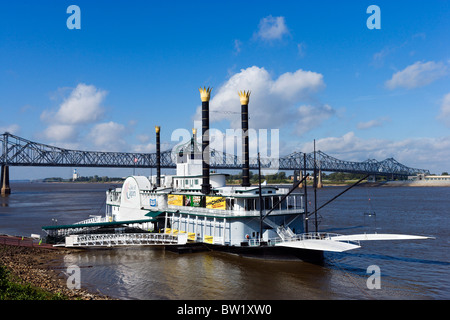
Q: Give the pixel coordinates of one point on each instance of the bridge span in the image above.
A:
(17, 151)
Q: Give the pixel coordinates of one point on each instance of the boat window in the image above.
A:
(267, 203)
(284, 204)
(289, 201)
(230, 204)
(250, 204)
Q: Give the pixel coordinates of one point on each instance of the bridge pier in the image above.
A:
(300, 176)
(319, 180)
(5, 188)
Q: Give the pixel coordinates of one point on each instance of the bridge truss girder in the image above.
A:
(17, 151)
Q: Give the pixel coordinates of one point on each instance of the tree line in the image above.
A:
(95, 178)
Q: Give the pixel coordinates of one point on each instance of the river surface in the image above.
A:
(418, 269)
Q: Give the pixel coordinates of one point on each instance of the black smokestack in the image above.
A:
(205, 95)
(158, 156)
(244, 97)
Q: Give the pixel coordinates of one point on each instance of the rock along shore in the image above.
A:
(41, 267)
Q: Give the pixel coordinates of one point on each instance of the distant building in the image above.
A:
(423, 177)
(425, 180)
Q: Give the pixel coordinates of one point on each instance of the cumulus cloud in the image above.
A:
(416, 75)
(309, 117)
(108, 136)
(272, 28)
(413, 152)
(237, 46)
(273, 102)
(12, 128)
(82, 106)
(301, 49)
(444, 115)
(61, 132)
(372, 123)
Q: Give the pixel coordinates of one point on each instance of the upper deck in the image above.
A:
(228, 201)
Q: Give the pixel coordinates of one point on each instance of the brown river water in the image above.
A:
(409, 270)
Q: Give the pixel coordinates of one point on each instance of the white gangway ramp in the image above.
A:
(377, 236)
(319, 242)
(339, 243)
(125, 239)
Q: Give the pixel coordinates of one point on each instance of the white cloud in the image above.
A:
(61, 132)
(445, 110)
(416, 75)
(108, 136)
(237, 46)
(82, 106)
(273, 103)
(145, 148)
(12, 128)
(310, 117)
(421, 153)
(272, 28)
(371, 123)
(301, 49)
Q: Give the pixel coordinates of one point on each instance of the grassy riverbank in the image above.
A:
(13, 288)
(31, 273)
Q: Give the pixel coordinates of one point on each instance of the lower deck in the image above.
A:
(231, 231)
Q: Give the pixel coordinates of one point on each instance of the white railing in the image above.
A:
(93, 220)
(231, 213)
(124, 239)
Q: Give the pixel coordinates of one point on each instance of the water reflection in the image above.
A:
(148, 273)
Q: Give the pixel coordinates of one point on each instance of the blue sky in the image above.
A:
(316, 71)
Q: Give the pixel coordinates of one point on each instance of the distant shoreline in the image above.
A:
(285, 184)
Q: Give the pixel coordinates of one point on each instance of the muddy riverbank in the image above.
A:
(41, 268)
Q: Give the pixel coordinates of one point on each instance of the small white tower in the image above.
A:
(75, 175)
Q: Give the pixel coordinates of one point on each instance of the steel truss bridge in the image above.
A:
(17, 151)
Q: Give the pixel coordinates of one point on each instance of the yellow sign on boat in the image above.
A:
(216, 203)
(175, 199)
(174, 231)
(191, 236)
(208, 239)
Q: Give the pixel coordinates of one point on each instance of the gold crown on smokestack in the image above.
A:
(157, 128)
(205, 93)
(244, 97)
